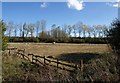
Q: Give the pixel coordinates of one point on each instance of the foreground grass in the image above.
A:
(99, 69)
(99, 63)
(18, 70)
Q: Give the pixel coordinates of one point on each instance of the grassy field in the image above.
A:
(72, 53)
(97, 68)
(48, 49)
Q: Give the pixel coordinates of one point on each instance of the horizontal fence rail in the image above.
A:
(45, 61)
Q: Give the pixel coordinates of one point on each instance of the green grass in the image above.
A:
(10, 68)
(18, 70)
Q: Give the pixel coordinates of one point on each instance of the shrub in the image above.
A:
(4, 39)
(114, 39)
(114, 36)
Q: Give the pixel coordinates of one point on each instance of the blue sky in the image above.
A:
(59, 12)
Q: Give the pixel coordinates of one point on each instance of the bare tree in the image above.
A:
(104, 30)
(15, 29)
(79, 26)
(69, 30)
(58, 32)
(53, 34)
(89, 30)
(65, 28)
(99, 30)
(30, 29)
(74, 30)
(20, 29)
(37, 28)
(93, 29)
(84, 28)
(10, 27)
(24, 30)
(43, 27)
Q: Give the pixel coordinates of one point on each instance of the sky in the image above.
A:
(60, 13)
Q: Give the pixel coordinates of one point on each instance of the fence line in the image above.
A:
(36, 59)
(32, 58)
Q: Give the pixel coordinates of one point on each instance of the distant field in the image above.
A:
(48, 49)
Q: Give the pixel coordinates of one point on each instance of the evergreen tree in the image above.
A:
(4, 40)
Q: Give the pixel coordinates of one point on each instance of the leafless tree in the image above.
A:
(69, 30)
(79, 26)
(84, 29)
(104, 30)
(20, 29)
(15, 29)
(37, 28)
(89, 30)
(24, 30)
(10, 27)
(99, 30)
(74, 30)
(94, 32)
(43, 27)
(30, 29)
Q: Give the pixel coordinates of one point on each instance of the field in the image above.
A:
(65, 52)
(98, 63)
(48, 49)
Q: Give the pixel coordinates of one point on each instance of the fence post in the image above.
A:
(76, 66)
(9, 52)
(23, 56)
(44, 60)
(36, 59)
(28, 57)
(81, 64)
(24, 51)
(32, 57)
(16, 51)
(57, 63)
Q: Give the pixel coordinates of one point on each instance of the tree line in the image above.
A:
(64, 33)
(110, 34)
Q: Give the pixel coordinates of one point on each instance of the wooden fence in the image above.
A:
(37, 59)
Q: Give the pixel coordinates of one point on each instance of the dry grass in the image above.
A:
(16, 70)
(48, 49)
(98, 68)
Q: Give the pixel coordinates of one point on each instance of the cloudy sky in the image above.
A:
(60, 13)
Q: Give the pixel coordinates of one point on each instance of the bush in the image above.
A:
(114, 39)
(114, 36)
(60, 40)
(4, 39)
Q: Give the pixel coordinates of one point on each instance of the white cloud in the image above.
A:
(115, 4)
(44, 5)
(75, 4)
(118, 0)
